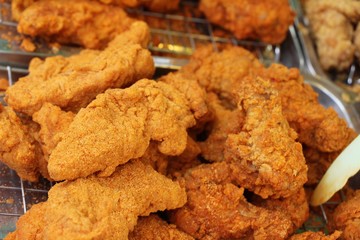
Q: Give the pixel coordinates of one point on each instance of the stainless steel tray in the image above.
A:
(171, 48)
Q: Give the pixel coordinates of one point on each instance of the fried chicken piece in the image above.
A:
(217, 209)
(315, 236)
(82, 22)
(270, 161)
(17, 146)
(155, 158)
(267, 21)
(226, 121)
(103, 208)
(220, 72)
(330, 23)
(148, 110)
(54, 123)
(346, 217)
(30, 226)
(178, 165)
(296, 207)
(317, 127)
(72, 86)
(18, 6)
(4, 84)
(153, 227)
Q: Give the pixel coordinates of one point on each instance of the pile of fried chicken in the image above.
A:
(224, 148)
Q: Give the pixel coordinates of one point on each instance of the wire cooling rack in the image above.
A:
(174, 37)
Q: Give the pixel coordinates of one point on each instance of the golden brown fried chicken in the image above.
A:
(82, 22)
(118, 126)
(265, 150)
(53, 124)
(267, 21)
(18, 6)
(331, 26)
(72, 85)
(30, 226)
(317, 127)
(225, 121)
(220, 72)
(217, 209)
(315, 236)
(295, 206)
(103, 208)
(17, 145)
(346, 217)
(153, 227)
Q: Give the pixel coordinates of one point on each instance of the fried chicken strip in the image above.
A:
(17, 146)
(217, 209)
(73, 85)
(18, 6)
(152, 5)
(153, 227)
(118, 126)
(267, 21)
(82, 22)
(103, 208)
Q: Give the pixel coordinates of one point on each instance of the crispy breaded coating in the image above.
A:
(30, 226)
(220, 72)
(74, 85)
(82, 22)
(226, 121)
(264, 20)
(315, 236)
(18, 6)
(102, 208)
(118, 126)
(265, 149)
(346, 217)
(53, 124)
(317, 127)
(217, 209)
(153, 227)
(295, 206)
(17, 146)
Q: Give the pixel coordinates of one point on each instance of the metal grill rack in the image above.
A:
(174, 38)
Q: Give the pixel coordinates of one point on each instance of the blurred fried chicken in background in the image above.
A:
(331, 25)
(77, 80)
(83, 22)
(18, 6)
(264, 20)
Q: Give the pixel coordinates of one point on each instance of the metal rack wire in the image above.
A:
(174, 38)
